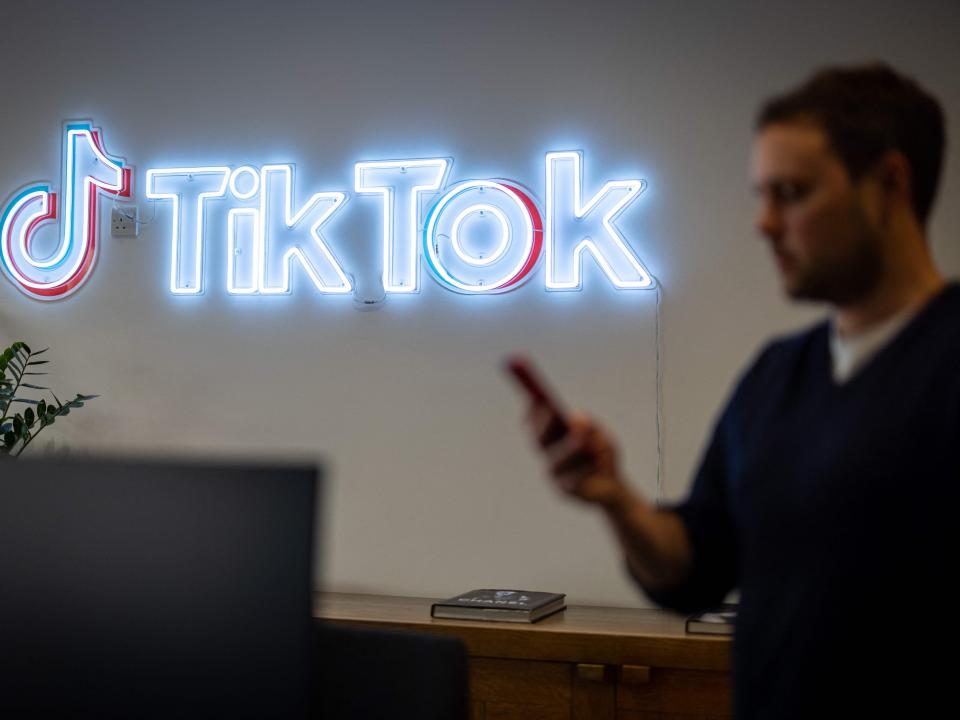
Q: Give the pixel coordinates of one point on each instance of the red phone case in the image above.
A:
(523, 372)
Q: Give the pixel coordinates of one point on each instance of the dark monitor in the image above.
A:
(154, 589)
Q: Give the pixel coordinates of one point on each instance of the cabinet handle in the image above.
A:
(635, 674)
(590, 673)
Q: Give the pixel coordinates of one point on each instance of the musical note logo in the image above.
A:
(44, 265)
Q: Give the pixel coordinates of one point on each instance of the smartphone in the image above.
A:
(530, 380)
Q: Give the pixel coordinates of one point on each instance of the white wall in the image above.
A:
(434, 488)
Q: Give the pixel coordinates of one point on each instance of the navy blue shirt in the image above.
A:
(833, 509)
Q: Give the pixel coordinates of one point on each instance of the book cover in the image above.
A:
(717, 621)
(502, 605)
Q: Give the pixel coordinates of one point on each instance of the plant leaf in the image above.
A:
(38, 362)
(33, 387)
(25, 401)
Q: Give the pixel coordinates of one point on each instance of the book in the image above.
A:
(717, 621)
(522, 606)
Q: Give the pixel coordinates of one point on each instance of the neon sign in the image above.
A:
(281, 236)
(473, 237)
(48, 271)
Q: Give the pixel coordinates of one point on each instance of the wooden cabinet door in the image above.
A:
(670, 694)
(531, 690)
(519, 689)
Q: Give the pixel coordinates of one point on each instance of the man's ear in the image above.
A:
(896, 175)
(893, 176)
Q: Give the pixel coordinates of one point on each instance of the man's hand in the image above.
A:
(583, 461)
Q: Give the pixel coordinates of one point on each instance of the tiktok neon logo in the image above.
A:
(473, 237)
(478, 236)
(48, 269)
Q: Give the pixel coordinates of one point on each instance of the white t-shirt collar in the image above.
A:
(849, 353)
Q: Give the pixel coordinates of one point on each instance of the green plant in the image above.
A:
(19, 430)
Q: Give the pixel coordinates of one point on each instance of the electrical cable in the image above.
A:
(659, 401)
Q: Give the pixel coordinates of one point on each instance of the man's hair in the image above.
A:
(866, 111)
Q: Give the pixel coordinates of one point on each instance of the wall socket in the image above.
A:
(124, 221)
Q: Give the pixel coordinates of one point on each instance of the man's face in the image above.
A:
(822, 226)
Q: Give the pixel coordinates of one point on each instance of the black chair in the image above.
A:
(362, 673)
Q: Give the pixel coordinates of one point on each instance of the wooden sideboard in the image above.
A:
(586, 662)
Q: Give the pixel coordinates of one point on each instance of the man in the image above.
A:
(828, 492)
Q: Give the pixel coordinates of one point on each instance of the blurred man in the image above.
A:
(827, 494)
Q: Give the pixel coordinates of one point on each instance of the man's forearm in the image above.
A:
(655, 541)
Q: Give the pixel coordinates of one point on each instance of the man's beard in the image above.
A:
(846, 278)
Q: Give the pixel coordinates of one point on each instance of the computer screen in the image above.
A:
(149, 589)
